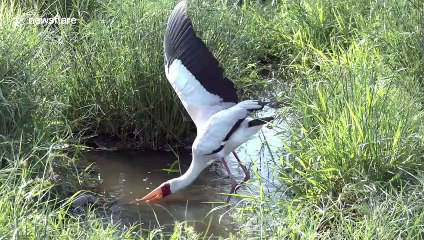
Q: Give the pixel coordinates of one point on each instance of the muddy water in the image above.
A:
(128, 175)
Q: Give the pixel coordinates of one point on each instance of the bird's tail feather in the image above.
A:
(259, 121)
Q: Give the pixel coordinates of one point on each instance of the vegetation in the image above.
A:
(353, 70)
(353, 160)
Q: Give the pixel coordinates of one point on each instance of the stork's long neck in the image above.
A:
(196, 167)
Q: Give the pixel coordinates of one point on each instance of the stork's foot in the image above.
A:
(246, 172)
(234, 188)
(246, 176)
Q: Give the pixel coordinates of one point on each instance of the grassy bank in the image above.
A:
(352, 69)
(354, 159)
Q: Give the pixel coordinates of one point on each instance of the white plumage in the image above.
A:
(199, 103)
(211, 135)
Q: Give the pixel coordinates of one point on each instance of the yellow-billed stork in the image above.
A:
(222, 122)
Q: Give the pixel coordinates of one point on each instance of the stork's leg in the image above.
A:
(232, 179)
(245, 170)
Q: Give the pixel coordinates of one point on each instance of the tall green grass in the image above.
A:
(59, 83)
(104, 76)
(358, 123)
(353, 162)
(358, 102)
(353, 71)
(362, 211)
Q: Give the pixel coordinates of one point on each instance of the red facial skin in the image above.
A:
(166, 190)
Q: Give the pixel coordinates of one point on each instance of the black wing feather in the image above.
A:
(182, 43)
(259, 121)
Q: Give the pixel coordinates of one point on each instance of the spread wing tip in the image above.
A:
(181, 42)
(177, 17)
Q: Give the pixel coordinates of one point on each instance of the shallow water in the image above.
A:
(127, 175)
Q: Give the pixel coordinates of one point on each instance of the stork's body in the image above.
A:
(222, 122)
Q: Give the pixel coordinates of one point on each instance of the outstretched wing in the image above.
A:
(193, 71)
